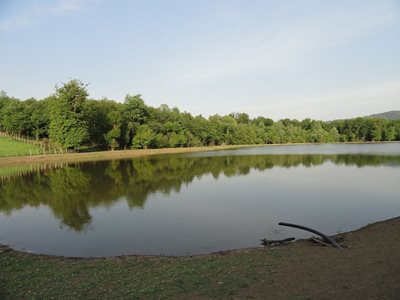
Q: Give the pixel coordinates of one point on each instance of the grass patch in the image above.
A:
(217, 276)
(10, 147)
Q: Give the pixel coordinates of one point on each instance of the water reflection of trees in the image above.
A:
(70, 191)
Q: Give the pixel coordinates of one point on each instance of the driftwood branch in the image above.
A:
(319, 241)
(325, 237)
(267, 243)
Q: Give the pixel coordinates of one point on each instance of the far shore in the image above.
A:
(108, 155)
(121, 154)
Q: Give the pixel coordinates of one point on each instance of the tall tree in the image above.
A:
(15, 118)
(135, 113)
(38, 118)
(67, 125)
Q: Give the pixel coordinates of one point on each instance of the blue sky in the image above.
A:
(296, 59)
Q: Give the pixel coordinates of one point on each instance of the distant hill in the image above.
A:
(391, 115)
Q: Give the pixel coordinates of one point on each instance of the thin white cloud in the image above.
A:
(282, 50)
(38, 12)
(65, 6)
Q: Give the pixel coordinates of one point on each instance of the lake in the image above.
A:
(196, 203)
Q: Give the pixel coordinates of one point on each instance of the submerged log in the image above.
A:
(325, 237)
(267, 243)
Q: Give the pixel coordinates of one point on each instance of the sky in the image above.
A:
(279, 59)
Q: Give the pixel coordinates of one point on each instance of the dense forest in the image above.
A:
(70, 119)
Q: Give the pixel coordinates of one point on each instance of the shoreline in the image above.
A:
(124, 154)
(367, 269)
(6, 248)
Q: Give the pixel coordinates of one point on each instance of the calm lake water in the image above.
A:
(199, 202)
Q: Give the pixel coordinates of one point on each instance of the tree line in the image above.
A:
(70, 119)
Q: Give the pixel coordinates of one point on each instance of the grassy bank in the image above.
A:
(10, 148)
(128, 277)
(368, 270)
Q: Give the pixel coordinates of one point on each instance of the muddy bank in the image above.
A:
(368, 269)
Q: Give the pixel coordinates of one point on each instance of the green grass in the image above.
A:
(33, 277)
(10, 147)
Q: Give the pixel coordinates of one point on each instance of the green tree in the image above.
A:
(67, 125)
(276, 134)
(241, 118)
(333, 135)
(15, 118)
(229, 127)
(177, 140)
(112, 137)
(39, 119)
(134, 113)
(96, 114)
(375, 131)
(144, 137)
(317, 134)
